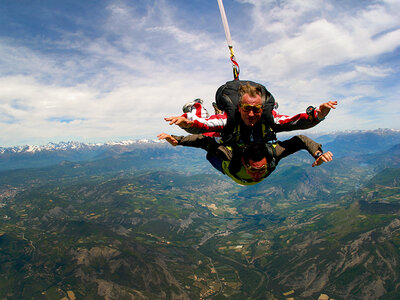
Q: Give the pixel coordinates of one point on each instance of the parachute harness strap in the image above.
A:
(235, 65)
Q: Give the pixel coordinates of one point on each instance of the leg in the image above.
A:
(196, 107)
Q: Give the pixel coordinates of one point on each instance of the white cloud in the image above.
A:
(311, 36)
(374, 71)
(121, 77)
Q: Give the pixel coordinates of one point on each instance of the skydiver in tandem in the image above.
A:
(247, 121)
(255, 161)
(245, 112)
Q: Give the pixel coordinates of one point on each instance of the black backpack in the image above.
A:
(227, 99)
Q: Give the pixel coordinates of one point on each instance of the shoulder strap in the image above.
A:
(268, 133)
(271, 154)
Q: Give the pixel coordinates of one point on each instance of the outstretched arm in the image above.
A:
(189, 120)
(296, 143)
(191, 140)
(300, 142)
(302, 120)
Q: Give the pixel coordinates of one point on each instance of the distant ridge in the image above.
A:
(71, 145)
(342, 144)
(74, 145)
(21, 157)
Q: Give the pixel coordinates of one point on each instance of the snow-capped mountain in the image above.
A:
(68, 146)
(340, 143)
(53, 153)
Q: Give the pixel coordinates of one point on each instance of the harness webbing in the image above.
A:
(235, 65)
(236, 134)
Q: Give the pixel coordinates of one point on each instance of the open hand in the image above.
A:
(182, 122)
(324, 109)
(169, 138)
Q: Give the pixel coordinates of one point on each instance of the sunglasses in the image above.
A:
(248, 107)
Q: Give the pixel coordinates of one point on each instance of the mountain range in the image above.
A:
(28, 156)
(144, 220)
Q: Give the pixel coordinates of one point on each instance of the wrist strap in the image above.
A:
(318, 155)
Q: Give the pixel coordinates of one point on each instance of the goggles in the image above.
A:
(256, 169)
(248, 107)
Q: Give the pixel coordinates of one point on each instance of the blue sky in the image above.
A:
(97, 71)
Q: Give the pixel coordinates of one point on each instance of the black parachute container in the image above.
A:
(228, 97)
